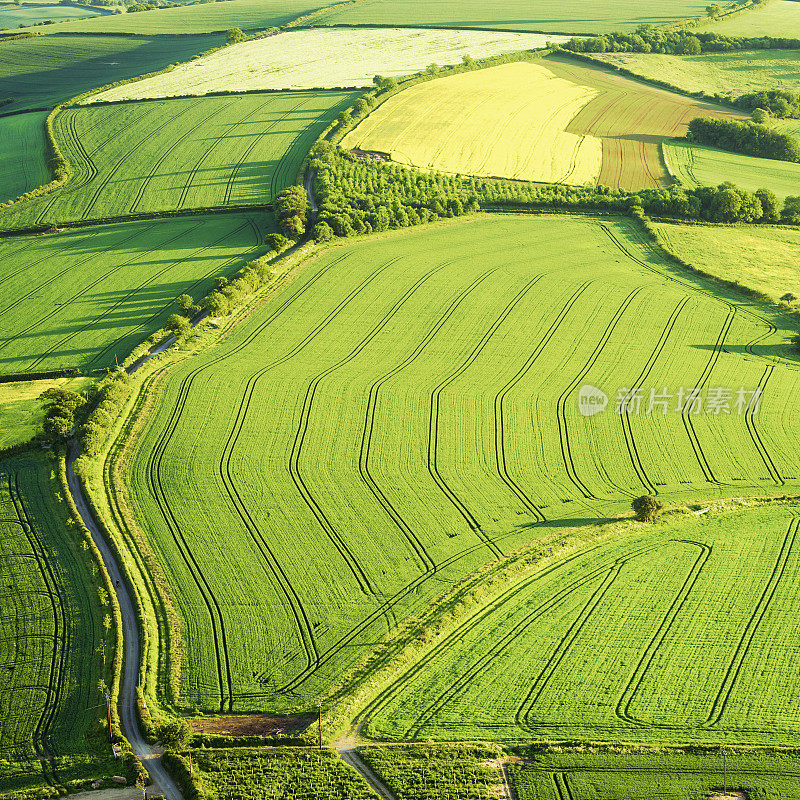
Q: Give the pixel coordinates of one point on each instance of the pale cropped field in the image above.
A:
(325, 58)
(779, 18)
(504, 121)
(724, 73)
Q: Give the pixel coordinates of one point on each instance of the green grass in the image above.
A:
(666, 633)
(43, 71)
(21, 413)
(423, 772)
(697, 165)
(200, 18)
(764, 259)
(519, 15)
(273, 773)
(33, 14)
(180, 154)
(780, 18)
(22, 147)
(51, 626)
(642, 776)
(85, 298)
(716, 73)
(406, 410)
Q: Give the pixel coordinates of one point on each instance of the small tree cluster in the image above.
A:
(647, 508)
(111, 396)
(749, 138)
(778, 102)
(61, 405)
(235, 35)
(291, 210)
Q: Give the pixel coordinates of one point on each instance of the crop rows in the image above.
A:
(426, 402)
(71, 301)
(175, 154)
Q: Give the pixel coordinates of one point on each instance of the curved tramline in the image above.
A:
(405, 411)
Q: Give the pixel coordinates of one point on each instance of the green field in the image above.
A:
(180, 154)
(85, 298)
(764, 259)
(22, 162)
(667, 634)
(43, 71)
(279, 774)
(411, 403)
(324, 58)
(199, 18)
(576, 16)
(51, 626)
(716, 73)
(30, 14)
(642, 776)
(777, 18)
(697, 165)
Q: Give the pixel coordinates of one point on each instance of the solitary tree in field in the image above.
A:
(234, 36)
(789, 297)
(647, 508)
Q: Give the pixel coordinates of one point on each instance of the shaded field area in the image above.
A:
(762, 258)
(175, 154)
(723, 73)
(552, 121)
(325, 58)
(780, 18)
(684, 625)
(22, 148)
(696, 165)
(29, 14)
(575, 16)
(85, 298)
(51, 626)
(197, 18)
(44, 71)
(412, 404)
(642, 776)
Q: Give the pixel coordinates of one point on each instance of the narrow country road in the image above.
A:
(310, 193)
(350, 756)
(150, 757)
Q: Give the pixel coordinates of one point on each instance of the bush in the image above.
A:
(647, 508)
(175, 734)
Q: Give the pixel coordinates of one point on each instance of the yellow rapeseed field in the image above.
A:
(507, 121)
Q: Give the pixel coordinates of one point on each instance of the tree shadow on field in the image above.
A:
(567, 522)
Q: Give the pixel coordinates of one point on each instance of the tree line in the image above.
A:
(778, 102)
(750, 138)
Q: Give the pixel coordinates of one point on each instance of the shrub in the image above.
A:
(647, 508)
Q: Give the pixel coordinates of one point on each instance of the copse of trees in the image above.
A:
(61, 406)
(750, 138)
(649, 39)
(778, 102)
(291, 211)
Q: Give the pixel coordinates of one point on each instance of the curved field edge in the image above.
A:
(102, 478)
(208, 340)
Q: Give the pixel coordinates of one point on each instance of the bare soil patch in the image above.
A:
(251, 725)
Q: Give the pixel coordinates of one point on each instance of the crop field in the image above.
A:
(86, 297)
(179, 154)
(420, 772)
(664, 635)
(411, 403)
(22, 161)
(519, 15)
(779, 18)
(764, 259)
(716, 73)
(40, 72)
(279, 774)
(697, 165)
(29, 14)
(449, 125)
(631, 119)
(561, 123)
(308, 59)
(198, 18)
(642, 776)
(50, 625)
